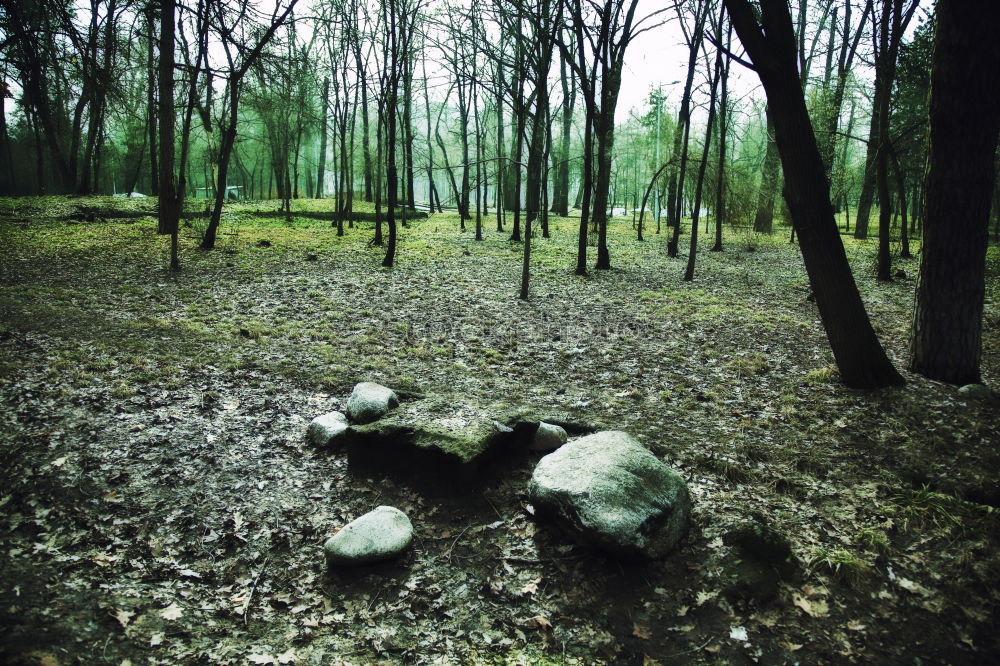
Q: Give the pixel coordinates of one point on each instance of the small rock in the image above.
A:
(608, 491)
(976, 391)
(548, 437)
(370, 401)
(327, 430)
(378, 535)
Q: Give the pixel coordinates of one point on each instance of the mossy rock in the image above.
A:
(444, 441)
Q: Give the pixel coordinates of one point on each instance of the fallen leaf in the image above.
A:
(817, 608)
(539, 622)
(261, 659)
(123, 617)
(156, 639)
(171, 612)
(915, 588)
(738, 634)
(855, 625)
(189, 573)
(791, 647)
(640, 631)
(287, 657)
(531, 588)
(702, 597)
(59, 462)
(649, 661)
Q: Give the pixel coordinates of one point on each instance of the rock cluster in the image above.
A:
(604, 489)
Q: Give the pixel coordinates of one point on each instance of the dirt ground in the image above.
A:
(160, 504)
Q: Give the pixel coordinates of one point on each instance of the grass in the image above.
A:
(842, 564)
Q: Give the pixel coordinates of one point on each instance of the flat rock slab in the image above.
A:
(437, 440)
(382, 534)
(327, 430)
(610, 492)
(370, 401)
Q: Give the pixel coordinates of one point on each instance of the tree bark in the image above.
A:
(946, 336)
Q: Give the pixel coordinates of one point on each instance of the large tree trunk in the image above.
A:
(860, 357)
(945, 340)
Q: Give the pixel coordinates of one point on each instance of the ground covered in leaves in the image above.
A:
(160, 504)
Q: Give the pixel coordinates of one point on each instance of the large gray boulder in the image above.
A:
(608, 491)
(378, 535)
(327, 429)
(370, 401)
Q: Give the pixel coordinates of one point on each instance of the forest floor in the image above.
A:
(160, 504)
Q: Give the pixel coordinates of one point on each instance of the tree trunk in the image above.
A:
(560, 193)
(693, 251)
(764, 219)
(675, 192)
(946, 336)
(860, 357)
(168, 212)
(720, 193)
(586, 189)
(151, 108)
(323, 131)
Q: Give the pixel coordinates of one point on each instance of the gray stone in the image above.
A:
(608, 491)
(370, 401)
(378, 535)
(327, 430)
(548, 437)
(976, 391)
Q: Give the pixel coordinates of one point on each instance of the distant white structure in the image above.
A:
(232, 192)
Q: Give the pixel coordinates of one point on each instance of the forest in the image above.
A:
(499, 332)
